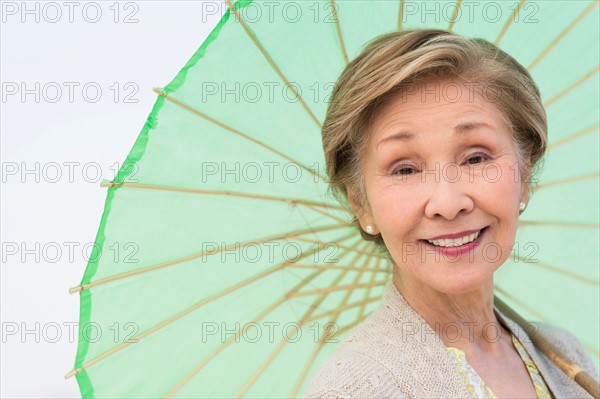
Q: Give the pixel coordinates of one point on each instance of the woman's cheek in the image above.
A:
(497, 179)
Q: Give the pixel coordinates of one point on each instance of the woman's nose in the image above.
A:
(447, 198)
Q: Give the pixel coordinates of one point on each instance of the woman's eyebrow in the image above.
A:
(470, 126)
(403, 135)
(408, 135)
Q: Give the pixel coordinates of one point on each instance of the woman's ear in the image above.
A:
(353, 200)
(360, 210)
(525, 186)
(524, 200)
(526, 193)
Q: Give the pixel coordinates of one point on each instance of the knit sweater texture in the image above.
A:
(394, 353)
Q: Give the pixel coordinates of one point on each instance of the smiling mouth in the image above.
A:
(455, 242)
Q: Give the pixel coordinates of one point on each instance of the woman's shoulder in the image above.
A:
(362, 365)
(354, 370)
(348, 373)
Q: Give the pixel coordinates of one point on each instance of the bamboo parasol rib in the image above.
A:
(339, 31)
(454, 15)
(509, 22)
(233, 130)
(196, 306)
(264, 52)
(562, 35)
(196, 255)
(572, 86)
(400, 15)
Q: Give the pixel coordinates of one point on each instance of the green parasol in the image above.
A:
(223, 268)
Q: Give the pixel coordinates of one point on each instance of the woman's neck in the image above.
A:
(464, 321)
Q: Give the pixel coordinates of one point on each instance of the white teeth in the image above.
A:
(454, 242)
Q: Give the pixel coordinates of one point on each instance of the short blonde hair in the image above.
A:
(388, 65)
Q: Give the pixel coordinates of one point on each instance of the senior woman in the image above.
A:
(430, 139)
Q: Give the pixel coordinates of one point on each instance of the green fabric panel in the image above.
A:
(249, 155)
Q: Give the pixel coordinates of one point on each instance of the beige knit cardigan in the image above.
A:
(394, 353)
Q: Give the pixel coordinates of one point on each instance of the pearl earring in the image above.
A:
(370, 229)
(521, 206)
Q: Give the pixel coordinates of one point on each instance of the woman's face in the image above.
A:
(441, 161)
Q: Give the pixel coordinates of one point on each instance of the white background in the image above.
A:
(42, 216)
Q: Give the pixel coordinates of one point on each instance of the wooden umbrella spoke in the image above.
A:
(572, 86)
(401, 15)
(315, 266)
(345, 307)
(240, 333)
(293, 269)
(322, 341)
(308, 223)
(339, 31)
(337, 288)
(568, 180)
(358, 254)
(454, 15)
(337, 241)
(340, 309)
(282, 343)
(558, 224)
(362, 303)
(290, 295)
(187, 311)
(368, 291)
(291, 201)
(329, 215)
(325, 245)
(197, 255)
(556, 269)
(366, 257)
(509, 22)
(562, 35)
(271, 62)
(573, 136)
(236, 131)
(345, 247)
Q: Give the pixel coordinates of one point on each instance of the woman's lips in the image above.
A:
(455, 235)
(462, 249)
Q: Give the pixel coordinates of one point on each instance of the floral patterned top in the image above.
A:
(477, 387)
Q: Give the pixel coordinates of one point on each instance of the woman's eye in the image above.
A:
(480, 157)
(406, 170)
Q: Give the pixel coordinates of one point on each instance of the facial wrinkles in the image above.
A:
(398, 207)
(393, 119)
(424, 117)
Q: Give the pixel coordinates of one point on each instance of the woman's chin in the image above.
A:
(464, 284)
